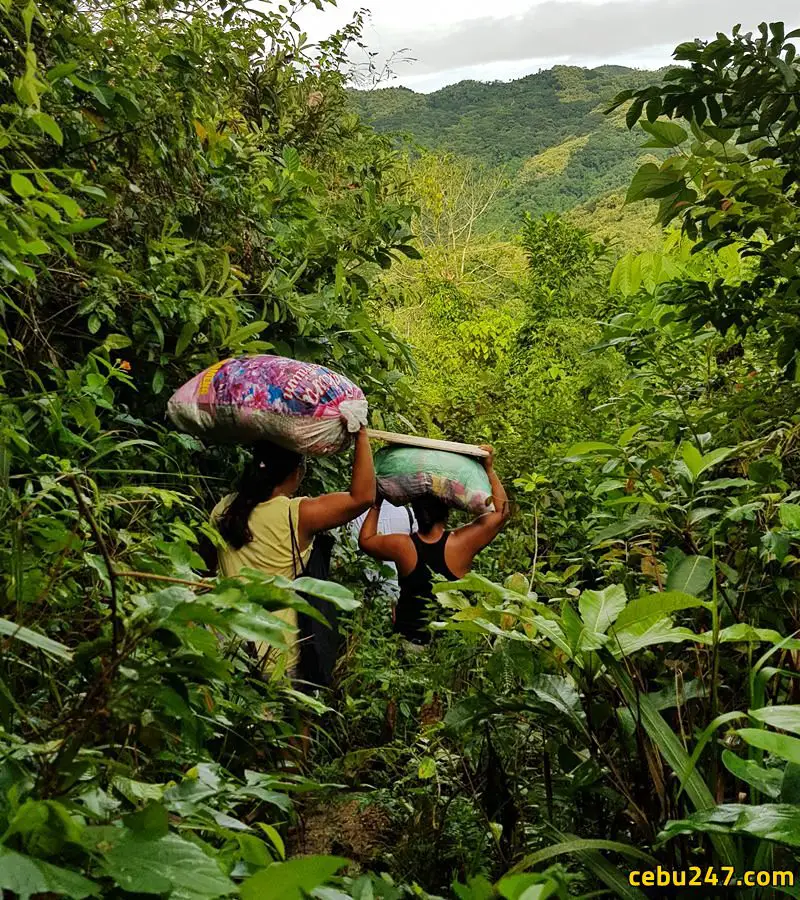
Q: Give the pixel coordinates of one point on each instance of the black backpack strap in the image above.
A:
(297, 556)
(319, 644)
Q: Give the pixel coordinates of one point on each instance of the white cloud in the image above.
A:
(456, 39)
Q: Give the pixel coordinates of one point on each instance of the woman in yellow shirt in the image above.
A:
(266, 527)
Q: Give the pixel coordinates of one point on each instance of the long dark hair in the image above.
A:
(429, 511)
(271, 465)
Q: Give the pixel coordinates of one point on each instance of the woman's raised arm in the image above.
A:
(470, 539)
(331, 510)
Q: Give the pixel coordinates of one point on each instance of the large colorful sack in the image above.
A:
(301, 406)
(404, 473)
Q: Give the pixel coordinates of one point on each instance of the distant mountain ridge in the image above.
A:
(547, 129)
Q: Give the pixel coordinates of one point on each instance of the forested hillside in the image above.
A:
(546, 132)
(609, 704)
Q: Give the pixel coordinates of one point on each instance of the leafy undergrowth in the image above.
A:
(616, 691)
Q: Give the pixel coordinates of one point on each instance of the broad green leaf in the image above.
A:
(27, 876)
(427, 767)
(186, 336)
(662, 604)
(591, 448)
(699, 513)
(622, 281)
(478, 626)
(245, 333)
(696, 463)
(39, 641)
(650, 181)
(275, 838)
(473, 582)
(764, 471)
(724, 484)
(714, 457)
(647, 633)
(157, 383)
(790, 784)
(768, 781)
(149, 823)
(599, 609)
(36, 247)
(778, 744)
(312, 703)
(291, 880)
(664, 134)
(669, 697)
(580, 637)
(49, 126)
(692, 575)
(409, 251)
(22, 185)
(291, 159)
(627, 436)
(770, 821)
(158, 866)
(790, 516)
(742, 633)
(518, 583)
(117, 341)
(261, 626)
(137, 791)
(744, 511)
(526, 887)
(49, 820)
(81, 225)
(336, 594)
(553, 632)
(253, 850)
(693, 459)
(786, 718)
(635, 524)
(61, 70)
(560, 693)
(28, 15)
(476, 888)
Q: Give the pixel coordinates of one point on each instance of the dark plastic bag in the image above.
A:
(319, 645)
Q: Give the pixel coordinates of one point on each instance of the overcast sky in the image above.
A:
(456, 39)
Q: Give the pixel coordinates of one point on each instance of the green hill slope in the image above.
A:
(547, 130)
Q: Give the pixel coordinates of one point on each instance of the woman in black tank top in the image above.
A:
(432, 551)
(416, 587)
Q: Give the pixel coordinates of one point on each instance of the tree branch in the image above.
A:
(116, 625)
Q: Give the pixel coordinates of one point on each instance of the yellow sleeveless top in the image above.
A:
(270, 552)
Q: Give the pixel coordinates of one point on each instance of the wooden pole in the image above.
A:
(411, 440)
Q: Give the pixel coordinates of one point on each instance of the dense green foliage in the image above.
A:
(174, 187)
(738, 184)
(614, 688)
(547, 131)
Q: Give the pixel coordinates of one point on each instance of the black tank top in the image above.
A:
(415, 589)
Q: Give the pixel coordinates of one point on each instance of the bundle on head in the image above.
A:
(256, 398)
(406, 474)
(270, 466)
